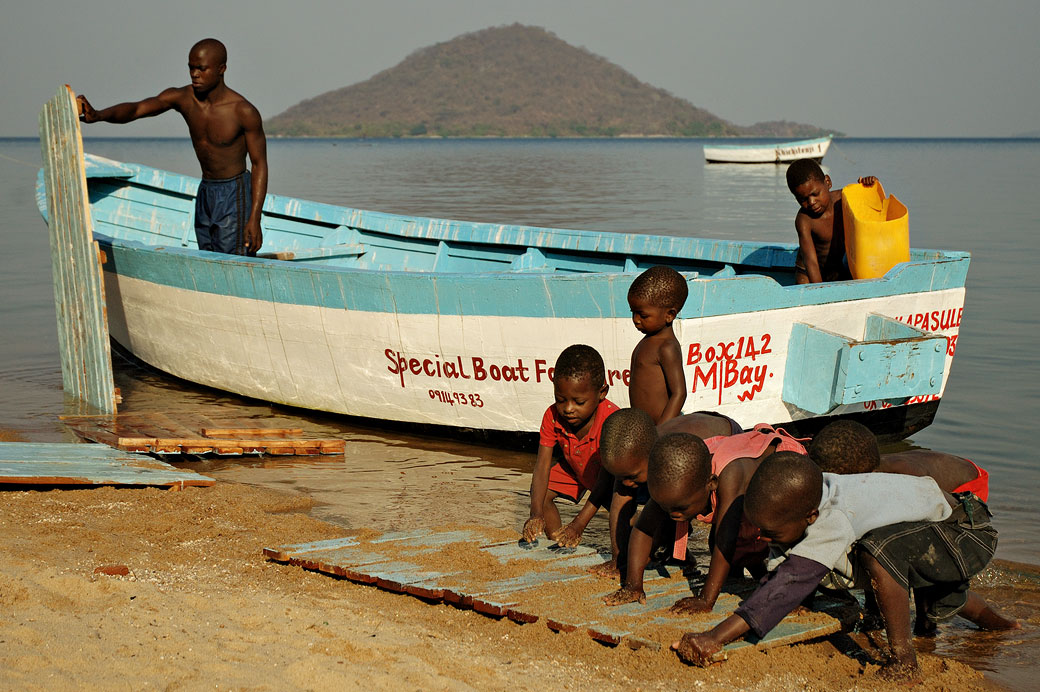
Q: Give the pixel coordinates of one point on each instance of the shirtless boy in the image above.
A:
(224, 128)
(657, 384)
(903, 532)
(846, 446)
(628, 436)
(820, 224)
(574, 424)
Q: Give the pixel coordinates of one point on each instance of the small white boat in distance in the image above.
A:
(780, 152)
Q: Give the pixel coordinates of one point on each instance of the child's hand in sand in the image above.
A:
(533, 528)
(605, 569)
(697, 648)
(691, 604)
(567, 537)
(625, 595)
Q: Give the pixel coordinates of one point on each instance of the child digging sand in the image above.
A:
(820, 224)
(628, 436)
(675, 478)
(657, 384)
(574, 424)
(904, 532)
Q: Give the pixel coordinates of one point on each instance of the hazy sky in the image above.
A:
(885, 68)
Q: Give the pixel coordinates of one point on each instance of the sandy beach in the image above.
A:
(201, 607)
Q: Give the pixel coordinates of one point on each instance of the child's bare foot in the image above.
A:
(899, 671)
(691, 604)
(605, 569)
(992, 620)
(923, 627)
(625, 595)
(980, 612)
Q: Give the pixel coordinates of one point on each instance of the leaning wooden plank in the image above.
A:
(79, 295)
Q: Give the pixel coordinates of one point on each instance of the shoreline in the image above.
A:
(200, 605)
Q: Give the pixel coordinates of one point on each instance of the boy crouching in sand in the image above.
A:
(657, 384)
(628, 437)
(904, 532)
(674, 480)
(573, 423)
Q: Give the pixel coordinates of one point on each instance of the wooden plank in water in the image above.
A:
(251, 432)
(162, 434)
(79, 294)
(87, 464)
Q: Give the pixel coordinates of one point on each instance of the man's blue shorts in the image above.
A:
(221, 212)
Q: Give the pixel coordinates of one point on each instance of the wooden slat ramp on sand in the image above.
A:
(25, 463)
(501, 577)
(160, 433)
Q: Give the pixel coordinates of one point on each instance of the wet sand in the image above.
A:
(201, 606)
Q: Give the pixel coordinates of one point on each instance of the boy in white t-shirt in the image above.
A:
(908, 534)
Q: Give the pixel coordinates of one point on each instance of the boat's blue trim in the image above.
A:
(415, 265)
(497, 294)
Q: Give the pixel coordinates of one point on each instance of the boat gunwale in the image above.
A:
(769, 145)
(710, 250)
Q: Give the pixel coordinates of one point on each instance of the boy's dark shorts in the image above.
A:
(937, 559)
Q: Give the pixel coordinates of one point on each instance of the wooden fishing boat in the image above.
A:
(781, 152)
(451, 323)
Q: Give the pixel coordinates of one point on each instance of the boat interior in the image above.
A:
(139, 204)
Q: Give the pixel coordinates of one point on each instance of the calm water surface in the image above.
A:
(962, 194)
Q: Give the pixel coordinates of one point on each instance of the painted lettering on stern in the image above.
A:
(935, 320)
(730, 366)
(478, 369)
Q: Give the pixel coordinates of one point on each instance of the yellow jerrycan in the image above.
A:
(877, 234)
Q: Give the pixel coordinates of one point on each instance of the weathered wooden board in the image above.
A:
(159, 433)
(79, 294)
(87, 464)
(544, 582)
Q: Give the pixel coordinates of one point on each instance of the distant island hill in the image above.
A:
(510, 81)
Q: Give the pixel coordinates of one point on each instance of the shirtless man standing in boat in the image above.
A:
(224, 128)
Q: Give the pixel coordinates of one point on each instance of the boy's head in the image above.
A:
(579, 384)
(810, 186)
(845, 446)
(679, 476)
(625, 443)
(783, 496)
(656, 297)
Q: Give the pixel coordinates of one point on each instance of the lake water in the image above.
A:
(962, 194)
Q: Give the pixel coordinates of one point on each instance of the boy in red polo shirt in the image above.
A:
(574, 423)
